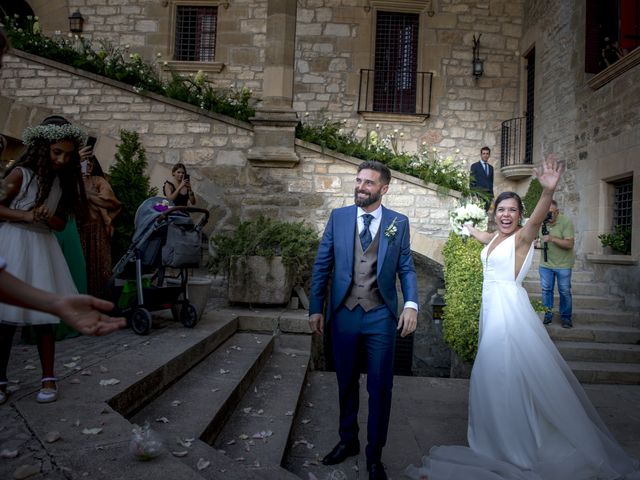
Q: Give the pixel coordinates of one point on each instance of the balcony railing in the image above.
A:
(395, 91)
(516, 142)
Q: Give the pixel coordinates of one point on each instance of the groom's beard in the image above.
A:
(370, 199)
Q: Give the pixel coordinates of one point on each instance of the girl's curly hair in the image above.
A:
(37, 158)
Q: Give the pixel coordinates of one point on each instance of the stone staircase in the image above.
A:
(236, 407)
(604, 344)
(222, 397)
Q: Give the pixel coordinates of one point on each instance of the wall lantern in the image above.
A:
(75, 22)
(478, 67)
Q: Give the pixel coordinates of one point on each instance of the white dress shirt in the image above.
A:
(375, 221)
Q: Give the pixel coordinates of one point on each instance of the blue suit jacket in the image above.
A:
(335, 260)
(481, 180)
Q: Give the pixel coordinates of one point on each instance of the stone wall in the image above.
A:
(147, 28)
(594, 128)
(334, 40)
(213, 148)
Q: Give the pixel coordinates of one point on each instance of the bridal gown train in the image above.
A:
(529, 418)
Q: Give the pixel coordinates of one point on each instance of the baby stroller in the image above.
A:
(164, 236)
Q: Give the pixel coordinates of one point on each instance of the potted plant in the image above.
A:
(619, 241)
(264, 259)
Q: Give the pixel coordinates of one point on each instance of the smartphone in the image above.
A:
(186, 177)
(91, 142)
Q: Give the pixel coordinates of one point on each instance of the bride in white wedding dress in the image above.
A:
(529, 418)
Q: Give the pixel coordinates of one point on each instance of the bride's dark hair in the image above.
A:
(506, 196)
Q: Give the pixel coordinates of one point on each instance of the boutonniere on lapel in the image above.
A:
(392, 229)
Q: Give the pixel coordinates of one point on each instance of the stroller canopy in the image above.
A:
(147, 213)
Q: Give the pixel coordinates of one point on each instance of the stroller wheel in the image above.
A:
(141, 321)
(188, 315)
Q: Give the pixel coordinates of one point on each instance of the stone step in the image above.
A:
(599, 352)
(220, 466)
(143, 379)
(589, 316)
(258, 431)
(138, 376)
(577, 288)
(201, 400)
(586, 301)
(594, 333)
(599, 372)
(578, 276)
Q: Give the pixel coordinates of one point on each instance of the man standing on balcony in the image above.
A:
(557, 238)
(482, 175)
(364, 249)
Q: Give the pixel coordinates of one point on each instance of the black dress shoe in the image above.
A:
(341, 452)
(376, 471)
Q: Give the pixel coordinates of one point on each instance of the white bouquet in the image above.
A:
(468, 213)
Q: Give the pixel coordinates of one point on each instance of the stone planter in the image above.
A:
(259, 280)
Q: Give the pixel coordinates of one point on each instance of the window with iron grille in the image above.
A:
(622, 201)
(196, 33)
(396, 62)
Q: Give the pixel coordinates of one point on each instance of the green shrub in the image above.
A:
(463, 296)
(295, 242)
(530, 200)
(131, 186)
(619, 240)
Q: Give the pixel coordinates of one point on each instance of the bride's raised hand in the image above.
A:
(549, 172)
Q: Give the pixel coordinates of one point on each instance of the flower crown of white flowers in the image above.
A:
(53, 133)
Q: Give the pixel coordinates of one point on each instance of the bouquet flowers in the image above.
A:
(467, 213)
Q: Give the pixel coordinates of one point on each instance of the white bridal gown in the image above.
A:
(529, 418)
(33, 254)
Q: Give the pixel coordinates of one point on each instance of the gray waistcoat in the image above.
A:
(364, 287)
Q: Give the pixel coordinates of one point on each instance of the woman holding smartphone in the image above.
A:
(180, 195)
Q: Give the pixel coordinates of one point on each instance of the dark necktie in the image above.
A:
(365, 234)
(486, 168)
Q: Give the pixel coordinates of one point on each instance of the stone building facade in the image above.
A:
(334, 40)
(303, 61)
(591, 121)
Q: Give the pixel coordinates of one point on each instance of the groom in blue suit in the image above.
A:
(364, 248)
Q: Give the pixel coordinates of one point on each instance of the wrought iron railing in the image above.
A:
(516, 142)
(395, 91)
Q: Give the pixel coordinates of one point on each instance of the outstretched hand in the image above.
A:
(549, 172)
(84, 313)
